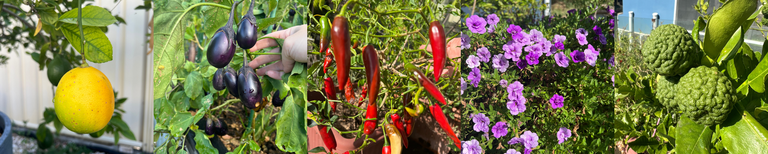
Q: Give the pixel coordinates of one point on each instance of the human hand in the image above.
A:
(294, 49)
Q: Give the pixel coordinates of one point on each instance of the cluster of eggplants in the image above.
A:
(215, 126)
(243, 84)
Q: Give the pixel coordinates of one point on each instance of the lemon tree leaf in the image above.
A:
(98, 49)
(92, 16)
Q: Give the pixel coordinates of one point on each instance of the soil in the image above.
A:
(234, 121)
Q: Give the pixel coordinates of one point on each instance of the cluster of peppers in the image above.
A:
(400, 128)
(243, 84)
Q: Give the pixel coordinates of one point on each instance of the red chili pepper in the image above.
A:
(325, 30)
(326, 63)
(371, 63)
(341, 48)
(349, 91)
(407, 119)
(370, 125)
(424, 82)
(440, 118)
(437, 41)
(365, 92)
(387, 149)
(399, 126)
(327, 136)
(330, 92)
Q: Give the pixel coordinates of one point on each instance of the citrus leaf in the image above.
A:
(741, 133)
(92, 16)
(692, 137)
(97, 46)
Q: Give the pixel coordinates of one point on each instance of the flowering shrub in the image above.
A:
(542, 86)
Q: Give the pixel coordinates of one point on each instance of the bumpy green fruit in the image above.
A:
(705, 95)
(670, 51)
(665, 91)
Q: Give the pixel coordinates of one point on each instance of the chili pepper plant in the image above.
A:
(205, 94)
(540, 85)
(652, 119)
(380, 63)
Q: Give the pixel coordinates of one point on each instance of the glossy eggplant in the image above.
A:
(222, 47)
(209, 126)
(249, 87)
(276, 101)
(230, 78)
(220, 128)
(247, 32)
(218, 80)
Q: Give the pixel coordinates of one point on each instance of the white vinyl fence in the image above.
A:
(25, 91)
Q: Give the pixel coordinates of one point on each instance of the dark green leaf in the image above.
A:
(92, 16)
(193, 85)
(692, 137)
(98, 49)
(741, 133)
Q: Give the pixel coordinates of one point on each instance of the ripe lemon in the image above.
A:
(84, 100)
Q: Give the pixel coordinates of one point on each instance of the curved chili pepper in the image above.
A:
(341, 48)
(394, 137)
(325, 30)
(399, 125)
(387, 149)
(330, 91)
(369, 125)
(349, 91)
(437, 112)
(437, 41)
(407, 119)
(326, 63)
(424, 82)
(365, 92)
(327, 136)
(371, 63)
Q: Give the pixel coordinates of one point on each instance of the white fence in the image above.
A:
(25, 91)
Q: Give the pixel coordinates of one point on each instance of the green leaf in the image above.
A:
(215, 17)
(741, 133)
(124, 129)
(179, 123)
(266, 22)
(692, 137)
(97, 46)
(205, 103)
(49, 16)
(698, 26)
(732, 47)
(92, 16)
(193, 85)
(202, 144)
(169, 50)
(277, 84)
(291, 124)
(642, 143)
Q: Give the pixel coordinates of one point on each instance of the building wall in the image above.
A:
(25, 91)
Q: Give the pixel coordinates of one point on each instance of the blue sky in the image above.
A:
(646, 8)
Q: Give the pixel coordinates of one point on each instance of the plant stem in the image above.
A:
(225, 104)
(391, 35)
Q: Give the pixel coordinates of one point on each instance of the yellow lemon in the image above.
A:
(84, 100)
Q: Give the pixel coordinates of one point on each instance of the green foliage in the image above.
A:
(670, 50)
(182, 87)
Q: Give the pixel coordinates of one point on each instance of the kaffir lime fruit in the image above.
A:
(84, 100)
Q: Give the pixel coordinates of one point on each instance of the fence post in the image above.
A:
(655, 20)
(631, 25)
(549, 6)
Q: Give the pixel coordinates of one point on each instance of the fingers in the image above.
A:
(263, 59)
(269, 42)
(273, 70)
(295, 49)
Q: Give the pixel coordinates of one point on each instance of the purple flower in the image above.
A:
(610, 61)
(484, 54)
(522, 38)
(463, 85)
(491, 28)
(558, 38)
(512, 151)
(533, 58)
(475, 76)
(528, 151)
(556, 101)
(561, 60)
(563, 135)
(536, 35)
(559, 45)
(493, 19)
(503, 83)
(473, 61)
(476, 24)
(613, 83)
(516, 106)
(577, 56)
(530, 140)
(515, 90)
(597, 30)
(601, 37)
(515, 140)
(546, 47)
(499, 130)
(582, 39)
(612, 12)
(591, 55)
(610, 24)
(581, 31)
(522, 63)
(471, 147)
(481, 122)
(465, 41)
(512, 51)
(513, 29)
(571, 11)
(500, 63)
